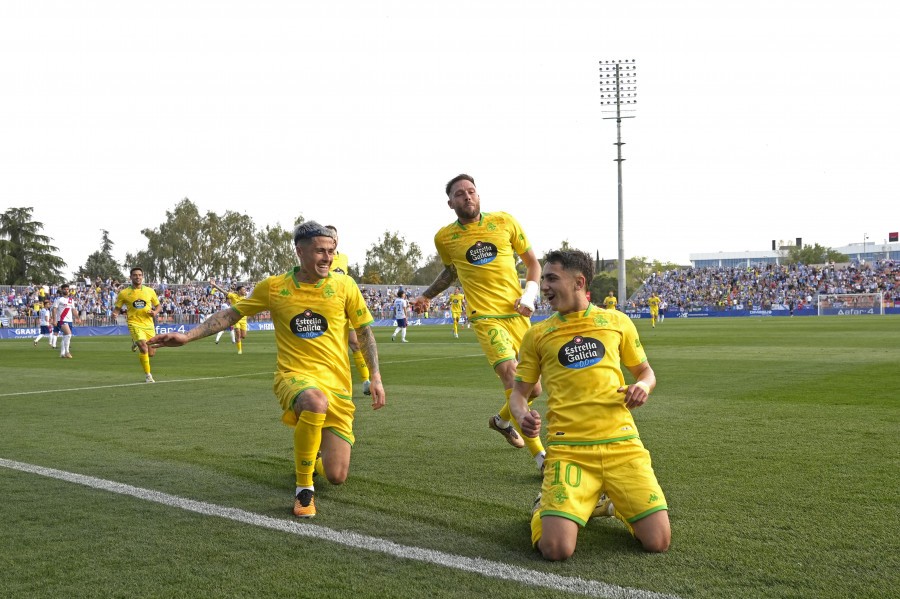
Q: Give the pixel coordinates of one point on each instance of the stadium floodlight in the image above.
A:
(618, 88)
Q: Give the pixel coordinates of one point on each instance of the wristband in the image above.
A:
(644, 385)
(529, 295)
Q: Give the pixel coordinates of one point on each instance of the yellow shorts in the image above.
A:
(141, 333)
(241, 324)
(500, 338)
(456, 315)
(576, 475)
(338, 417)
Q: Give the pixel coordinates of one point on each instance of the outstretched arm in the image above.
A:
(370, 353)
(442, 282)
(219, 321)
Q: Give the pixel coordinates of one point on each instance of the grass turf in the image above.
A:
(774, 439)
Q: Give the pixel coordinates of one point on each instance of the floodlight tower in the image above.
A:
(618, 87)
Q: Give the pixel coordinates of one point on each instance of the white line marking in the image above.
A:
(142, 384)
(210, 378)
(484, 567)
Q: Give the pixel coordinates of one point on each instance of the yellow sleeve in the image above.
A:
(257, 302)
(529, 368)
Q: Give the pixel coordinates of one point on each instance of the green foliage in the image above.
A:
(102, 264)
(602, 284)
(429, 272)
(780, 476)
(26, 255)
(813, 254)
(392, 260)
(191, 247)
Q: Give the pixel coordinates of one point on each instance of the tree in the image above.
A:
(101, 263)
(274, 253)
(602, 284)
(391, 260)
(429, 272)
(26, 255)
(191, 246)
(813, 254)
(637, 269)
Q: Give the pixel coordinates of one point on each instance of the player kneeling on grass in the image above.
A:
(310, 309)
(594, 454)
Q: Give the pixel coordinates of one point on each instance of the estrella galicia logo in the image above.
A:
(139, 304)
(481, 253)
(309, 325)
(581, 352)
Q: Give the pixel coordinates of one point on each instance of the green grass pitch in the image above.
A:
(775, 441)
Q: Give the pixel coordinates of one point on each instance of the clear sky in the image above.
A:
(768, 120)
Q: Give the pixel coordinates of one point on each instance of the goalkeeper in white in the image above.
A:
(480, 249)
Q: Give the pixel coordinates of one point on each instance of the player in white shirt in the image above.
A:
(44, 322)
(64, 314)
(401, 307)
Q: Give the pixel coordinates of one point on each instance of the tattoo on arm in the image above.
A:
(369, 350)
(219, 321)
(443, 281)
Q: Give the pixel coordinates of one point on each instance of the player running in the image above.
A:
(239, 331)
(141, 306)
(457, 299)
(44, 323)
(64, 314)
(479, 249)
(593, 449)
(610, 301)
(654, 308)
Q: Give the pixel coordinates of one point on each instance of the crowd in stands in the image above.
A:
(191, 303)
(766, 287)
(761, 287)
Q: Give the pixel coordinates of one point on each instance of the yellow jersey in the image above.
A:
(340, 264)
(456, 303)
(654, 304)
(484, 254)
(579, 356)
(138, 303)
(310, 323)
(233, 298)
(610, 302)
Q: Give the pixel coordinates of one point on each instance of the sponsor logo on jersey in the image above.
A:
(309, 325)
(139, 304)
(481, 253)
(581, 352)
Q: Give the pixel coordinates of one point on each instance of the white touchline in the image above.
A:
(484, 567)
(206, 378)
(141, 384)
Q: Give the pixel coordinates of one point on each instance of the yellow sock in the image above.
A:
(504, 412)
(361, 365)
(320, 467)
(145, 362)
(627, 523)
(456, 327)
(307, 438)
(536, 529)
(533, 444)
(239, 344)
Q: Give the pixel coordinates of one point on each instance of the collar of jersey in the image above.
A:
(480, 221)
(297, 283)
(585, 313)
